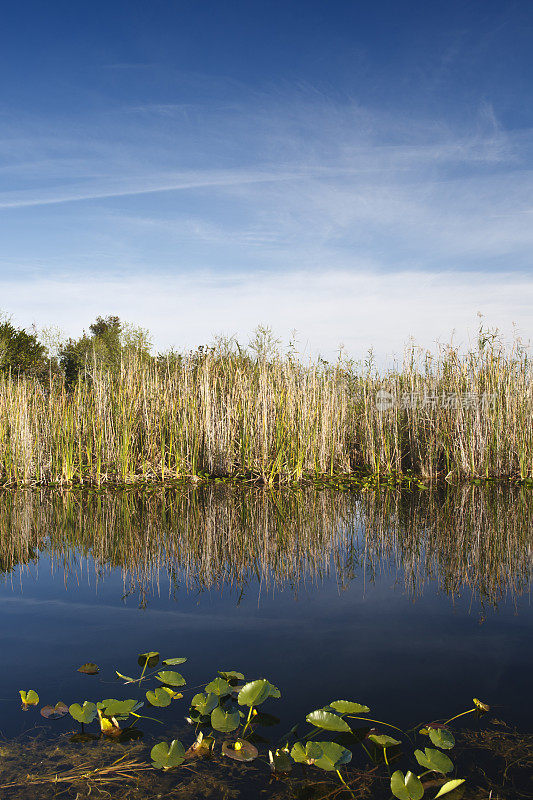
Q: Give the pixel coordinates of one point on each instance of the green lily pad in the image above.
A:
(449, 786)
(151, 659)
(434, 760)
(218, 686)
(280, 760)
(159, 697)
(204, 703)
(349, 707)
(241, 750)
(328, 721)
(89, 668)
(85, 713)
(442, 737)
(120, 709)
(383, 739)
(406, 787)
(256, 692)
(171, 678)
(231, 676)
(167, 756)
(29, 698)
(54, 712)
(173, 662)
(328, 756)
(225, 720)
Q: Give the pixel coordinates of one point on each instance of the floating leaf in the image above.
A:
(171, 678)
(348, 707)
(150, 659)
(173, 662)
(89, 669)
(407, 787)
(329, 756)
(383, 739)
(442, 737)
(219, 687)
(280, 760)
(204, 703)
(121, 709)
(306, 754)
(434, 760)
(328, 721)
(231, 676)
(256, 692)
(225, 720)
(29, 698)
(449, 786)
(241, 750)
(484, 707)
(159, 697)
(85, 713)
(54, 712)
(165, 756)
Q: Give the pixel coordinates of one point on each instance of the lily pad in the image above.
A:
(204, 703)
(349, 707)
(54, 712)
(218, 686)
(241, 750)
(171, 678)
(173, 662)
(159, 697)
(329, 756)
(121, 709)
(167, 756)
(225, 720)
(256, 692)
(406, 787)
(383, 739)
(85, 713)
(442, 737)
(434, 760)
(89, 668)
(231, 676)
(449, 786)
(328, 721)
(29, 698)
(280, 760)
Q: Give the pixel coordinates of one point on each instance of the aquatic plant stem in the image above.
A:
(344, 783)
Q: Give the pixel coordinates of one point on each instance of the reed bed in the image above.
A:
(470, 539)
(225, 412)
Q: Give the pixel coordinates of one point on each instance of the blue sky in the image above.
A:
(359, 172)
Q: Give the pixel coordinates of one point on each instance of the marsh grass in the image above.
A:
(474, 540)
(263, 415)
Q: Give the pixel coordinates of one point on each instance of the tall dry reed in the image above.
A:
(225, 413)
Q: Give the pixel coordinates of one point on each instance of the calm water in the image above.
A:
(411, 603)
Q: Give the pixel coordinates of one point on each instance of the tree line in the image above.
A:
(107, 342)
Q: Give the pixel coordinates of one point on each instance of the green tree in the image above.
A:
(21, 353)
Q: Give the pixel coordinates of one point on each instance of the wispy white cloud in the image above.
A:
(357, 310)
(344, 222)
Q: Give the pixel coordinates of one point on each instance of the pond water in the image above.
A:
(412, 603)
